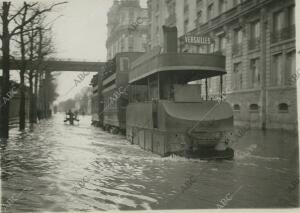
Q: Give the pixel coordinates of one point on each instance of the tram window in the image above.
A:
(124, 64)
(155, 114)
(253, 107)
(153, 87)
(139, 93)
(236, 107)
(283, 107)
(166, 88)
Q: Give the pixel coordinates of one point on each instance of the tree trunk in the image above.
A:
(23, 68)
(39, 79)
(31, 99)
(41, 97)
(32, 111)
(4, 111)
(22, 110)
(35, 98)
(46, 88)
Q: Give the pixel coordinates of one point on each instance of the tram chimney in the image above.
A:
(170, 39)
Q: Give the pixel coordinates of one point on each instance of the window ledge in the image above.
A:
(237, 55)
(283, 87)
(244, 91)
(283, 111)
(283, 42)
(253, 50)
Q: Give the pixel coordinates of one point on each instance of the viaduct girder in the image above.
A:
(63, 65)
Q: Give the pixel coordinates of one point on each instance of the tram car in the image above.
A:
(115, 90)
(95, 101)
(177, 116)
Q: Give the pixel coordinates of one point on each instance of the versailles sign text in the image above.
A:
(198, 40)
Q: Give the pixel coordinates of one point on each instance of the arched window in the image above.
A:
(236, 107)
(253, 107)
(283, 107)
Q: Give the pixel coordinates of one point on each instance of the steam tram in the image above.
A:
(95, 101)
(115, 90)
(176, 116)
(161, 110)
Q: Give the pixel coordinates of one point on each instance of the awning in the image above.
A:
(199, 66)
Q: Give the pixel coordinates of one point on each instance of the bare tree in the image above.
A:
(32, 68)
(8, 31)
(45, 48)
(5, 38)
(22, 44)
(40, 46)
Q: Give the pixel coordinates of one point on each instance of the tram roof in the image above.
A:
(187, 65)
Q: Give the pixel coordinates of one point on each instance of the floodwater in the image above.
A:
(57, 167)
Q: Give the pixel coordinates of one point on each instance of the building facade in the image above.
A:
(258, 39)
(127, 27)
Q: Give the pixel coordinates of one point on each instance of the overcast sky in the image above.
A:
(81, 34)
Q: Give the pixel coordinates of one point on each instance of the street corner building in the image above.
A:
(127, 25)
(257, 37)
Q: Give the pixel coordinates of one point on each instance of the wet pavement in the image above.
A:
(57, 167)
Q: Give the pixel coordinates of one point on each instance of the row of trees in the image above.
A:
(25, 29)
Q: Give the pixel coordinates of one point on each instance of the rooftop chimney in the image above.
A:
(170, 39)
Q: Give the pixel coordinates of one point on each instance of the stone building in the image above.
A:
(127, 27)
(258, 39)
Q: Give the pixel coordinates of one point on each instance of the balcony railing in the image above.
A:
(254, 43)
(284, 34)
(236, 49)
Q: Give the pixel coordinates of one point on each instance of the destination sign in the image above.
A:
(198, 40)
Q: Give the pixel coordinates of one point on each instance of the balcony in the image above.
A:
(284, 34)
(236, 49)
(254, 43)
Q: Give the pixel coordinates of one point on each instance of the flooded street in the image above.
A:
(57, 167)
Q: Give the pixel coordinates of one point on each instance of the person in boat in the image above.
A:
(71, 117)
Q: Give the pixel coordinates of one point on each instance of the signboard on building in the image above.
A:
(198, 40)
